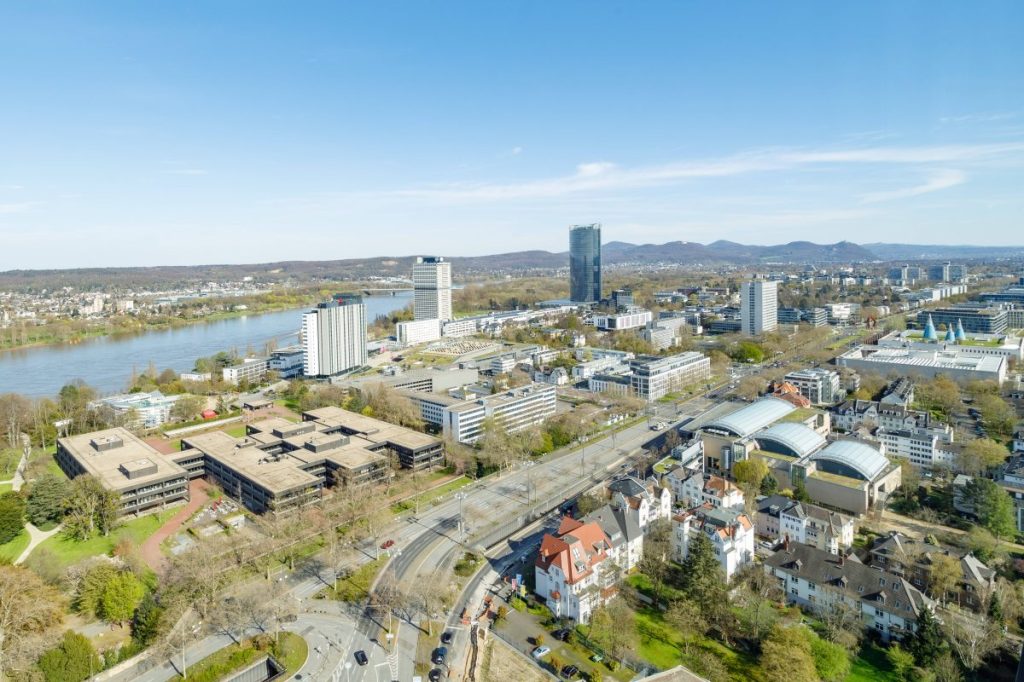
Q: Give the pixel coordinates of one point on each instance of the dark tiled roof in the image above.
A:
(884, 590)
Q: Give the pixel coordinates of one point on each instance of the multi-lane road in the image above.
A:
(425, 547)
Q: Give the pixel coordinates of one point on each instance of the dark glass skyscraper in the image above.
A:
(585, 263)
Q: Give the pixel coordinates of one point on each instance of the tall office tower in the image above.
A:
(334, 336)
(585, 263)
(759, 306)
(432, 288)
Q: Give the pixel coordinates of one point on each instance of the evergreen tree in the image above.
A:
(928, 642)
(703, 578)
(12, 516)
(146, 623)
(769, 485)
(46, 499)
(73, 660)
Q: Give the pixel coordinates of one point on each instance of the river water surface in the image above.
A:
(106, 363)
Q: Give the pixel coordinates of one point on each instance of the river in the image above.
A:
(106, 363)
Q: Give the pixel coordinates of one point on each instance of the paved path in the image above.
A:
(151, 554)
(37, 537)
(19, 473)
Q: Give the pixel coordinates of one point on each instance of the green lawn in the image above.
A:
(68, 551)
(5, 487)
(429, 496)
(290, 651)
(356, 587)
(871, 666)
(13, 549)
(660, 646)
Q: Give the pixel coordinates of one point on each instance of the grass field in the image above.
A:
(871, 666)
(291, 651)
(5, 487)
(67, 551)
(429, 496)
(356, 587)
(13, 549)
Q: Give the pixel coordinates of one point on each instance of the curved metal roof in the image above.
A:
(753, 417)
(801, 439)
(858, 456)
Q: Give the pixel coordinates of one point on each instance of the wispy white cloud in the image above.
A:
(606, 176)
(938, 180)
(21, 207)
(516, 151)
(988, 117)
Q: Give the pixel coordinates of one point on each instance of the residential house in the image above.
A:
(820, 581)
(573, 570)
(694, 488)
(730, 531)
(646, 500)
(781, 518)
(913, 559)
(1011, 479)
(622, 529)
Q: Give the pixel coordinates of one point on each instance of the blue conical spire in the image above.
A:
(961, 335)
(950, 336)
(929, 330)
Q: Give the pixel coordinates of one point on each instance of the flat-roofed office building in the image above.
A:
(145, 479)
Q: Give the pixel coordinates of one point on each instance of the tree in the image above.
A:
(999, 416)
(749, 473)
(842, 623)
(769, 485)
(830, 660)
(946, 669)
(993, 507)
(121, 596)
(944, 576)
(703, 578)
(46, 499)
(73, 660)
(655, 560)
(786, 656)
(902, 662)
(971, 638)
(588, 503)
(187, 407)
(613, 627)
(389, 405)
(148, 620)
(29, 610)
(979, 455)
(927, 643)
(749, 387)
(90, 507)
(686, 618)
(12, 516)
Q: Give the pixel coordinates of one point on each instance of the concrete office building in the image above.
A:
(251, 370)
(974, 318)
(632, 318)
(287, 362)
(145, 410)
(145, 479)
(653, 377)
(818, 385)
(334, 337)
(418, 331)
(759, 302)
(515, 409)
(432, 288)
(585, 263)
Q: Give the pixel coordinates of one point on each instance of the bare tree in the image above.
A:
(972, 638)
(29, 610)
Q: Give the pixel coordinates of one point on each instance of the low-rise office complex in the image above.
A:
(278, 465)
(925, 363)
(462, 418)
(820, 386)
(145, 410)
(654, 377)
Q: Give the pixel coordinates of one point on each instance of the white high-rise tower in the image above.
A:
(759, 306)
(334, 336)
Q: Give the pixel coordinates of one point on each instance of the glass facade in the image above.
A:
(585, 263)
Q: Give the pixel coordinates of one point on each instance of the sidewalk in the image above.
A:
(37, 537)
(150, 550)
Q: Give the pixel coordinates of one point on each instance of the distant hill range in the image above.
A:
(614, 253)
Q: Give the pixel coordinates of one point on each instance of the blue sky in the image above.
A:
(166, 133)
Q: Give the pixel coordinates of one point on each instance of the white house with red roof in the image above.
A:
(730, 531)
(575, 572)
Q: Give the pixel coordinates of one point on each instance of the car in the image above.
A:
(764, 544)
(597, 658)
(540, 652)
(361, 657)
(570, 671)
(387, 544)
(446, 637)
(440, 656)
(435, 675)
(655, 427)
(561, 635)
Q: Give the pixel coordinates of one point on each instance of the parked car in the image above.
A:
(440, 656)
(361, 657)
(387, 544)
(570, 671)
(597, 658)
(446, 637)
(435, 675)
(541, 651)
(561, 635)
